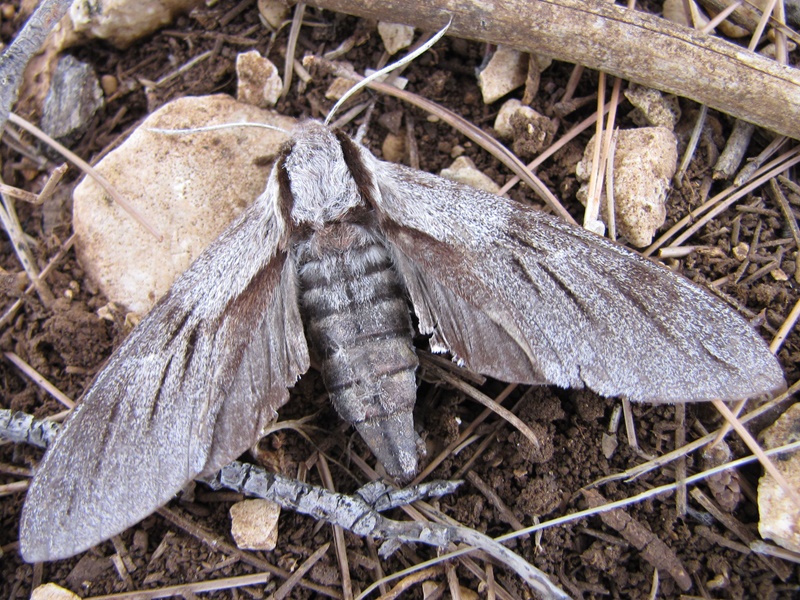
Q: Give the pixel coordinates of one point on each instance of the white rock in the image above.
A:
(274, 12)
(258, 82)
(644, 164)
(779, 516)
(393, 148)
(511, 107)
(463, 170)
(653, 107)
(254, 524)
(188, 186)
(122, 22)
(395, 36)
(51, 591)
(505, 72)
(338, 88)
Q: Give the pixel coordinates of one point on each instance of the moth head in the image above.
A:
(321, 185)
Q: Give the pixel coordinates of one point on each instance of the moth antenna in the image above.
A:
(214, 128)
(388, 69)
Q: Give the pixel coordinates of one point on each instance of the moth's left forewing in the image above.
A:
(190, 389)
(523, 296)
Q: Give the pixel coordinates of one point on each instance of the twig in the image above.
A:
(646, 49)
(15, 58)
(86, 168)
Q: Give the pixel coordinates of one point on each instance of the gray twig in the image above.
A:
(359, 513)
(16, 57)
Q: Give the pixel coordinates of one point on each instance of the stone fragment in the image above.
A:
(653, 107)
(189, 186)
(645, 161)
(395, 36)
(393, 148)
(254, 524)
(463, 170)
(505, 72)
(258, 82)
(73, 99)
(122, 22)
(338, 88)
(779, 515)
(273, 12)
(51, 591)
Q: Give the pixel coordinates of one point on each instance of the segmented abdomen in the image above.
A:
(357, 319)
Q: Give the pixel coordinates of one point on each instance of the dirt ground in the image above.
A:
(589, 558)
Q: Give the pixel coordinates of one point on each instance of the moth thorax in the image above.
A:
(357, 320)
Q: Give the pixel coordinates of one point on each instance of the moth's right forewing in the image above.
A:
(556, 304)
(190, 389)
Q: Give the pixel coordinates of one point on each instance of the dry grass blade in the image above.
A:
(286, 589)
(88, 169)
(475, 134)
(291, 47)
(785, 328)
(12, 310)
(8, 216)
(40, 380)
(758, 451)
(488, 403)
(466, 433)
(723, 200)
(188, 589)
(246, 557)
(647, 49)
(338, 533)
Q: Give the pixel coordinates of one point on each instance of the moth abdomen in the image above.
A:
(357, 319)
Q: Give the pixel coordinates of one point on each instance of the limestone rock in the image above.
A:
(51, 591)
(274, 12)
(258, 82)
(463, 170)
(653, 107)
(189, 186)
(254, 524)
(780, 517)
(505, 72)
(644, 164)
(73, 99)
(395, 36)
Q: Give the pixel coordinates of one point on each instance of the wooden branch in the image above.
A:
(629, 44)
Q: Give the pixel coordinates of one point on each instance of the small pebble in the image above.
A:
(395, 36)
(463, 170)
(254, 524)
(505, 72)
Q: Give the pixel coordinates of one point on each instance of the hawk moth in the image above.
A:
(330, 255)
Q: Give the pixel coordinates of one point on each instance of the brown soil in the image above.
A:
(591, 558)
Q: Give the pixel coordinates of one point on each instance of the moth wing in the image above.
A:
(523, 296)
(190, 389)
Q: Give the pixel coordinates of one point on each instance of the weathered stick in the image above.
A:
(629, 44)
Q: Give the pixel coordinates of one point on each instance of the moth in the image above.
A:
(329, 257)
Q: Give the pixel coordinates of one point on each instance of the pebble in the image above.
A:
(780, 517)
(258, 82)
(51, 591)
(644, 164)
(122, 22)
(189, 186)
(395, 36)
(273, 12)
(505, 72)
(463, 170)
(74, 98)
(393, 148)
(254, 524)
(653, 107)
